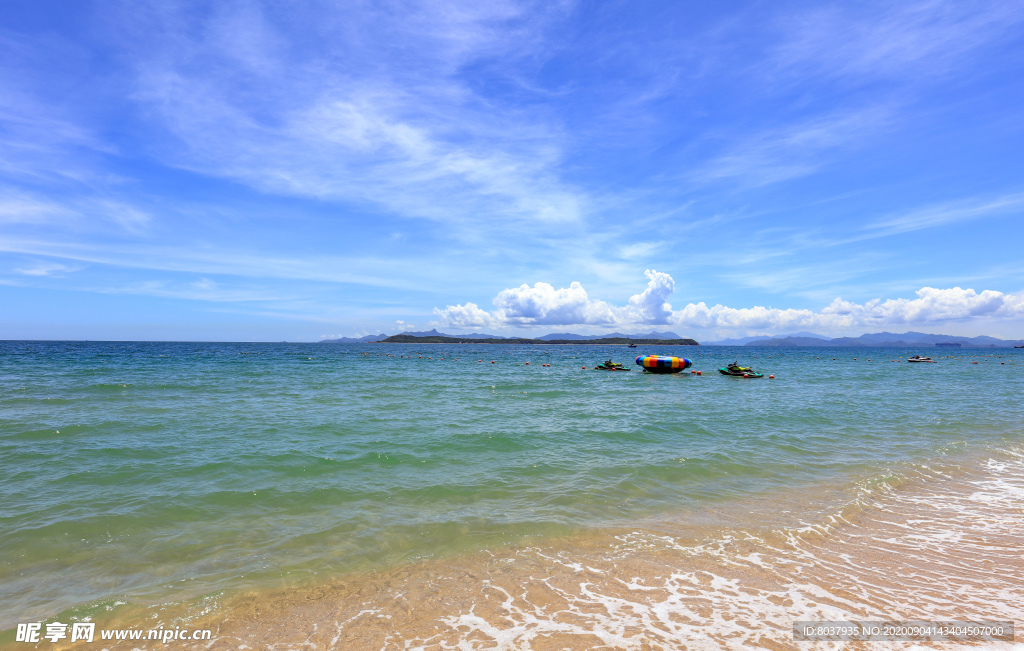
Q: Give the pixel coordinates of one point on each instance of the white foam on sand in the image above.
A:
(941, 550)
(944, 547)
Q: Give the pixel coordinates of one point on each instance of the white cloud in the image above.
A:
(54, 269)
(466, 316)
(651, 306)
(542, 304)
(892, 40)
(931, 305)
(21, 208)
(946, 213)
(793, 150)
(201, 290)
(95, 213)
(388, 121)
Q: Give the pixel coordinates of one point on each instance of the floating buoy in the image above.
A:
(746, 375)
(698, 372)
(771, 377)
(693, 372)
(492, 361)
(527, 363)
(584, 367)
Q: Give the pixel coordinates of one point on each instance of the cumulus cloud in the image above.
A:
(651, 306)
(932, 305)
(542, 304)
(466, 316)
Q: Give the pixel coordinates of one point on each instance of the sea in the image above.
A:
(475, 496)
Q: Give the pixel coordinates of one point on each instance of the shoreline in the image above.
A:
(939, 546)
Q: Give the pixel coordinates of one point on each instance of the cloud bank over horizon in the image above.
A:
(543, 305)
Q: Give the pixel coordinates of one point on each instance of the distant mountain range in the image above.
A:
(879, 339)
(743, 341)
(563, 336)
(355, 340)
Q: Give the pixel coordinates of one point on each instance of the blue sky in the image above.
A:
(289, 171)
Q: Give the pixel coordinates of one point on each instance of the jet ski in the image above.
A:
(736, 370)
(610, 366)
(918, 358)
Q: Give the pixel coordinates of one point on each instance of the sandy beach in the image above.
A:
(942, 546)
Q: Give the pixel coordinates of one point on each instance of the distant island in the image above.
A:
(435, 337)
(801, 339)
(621, 341)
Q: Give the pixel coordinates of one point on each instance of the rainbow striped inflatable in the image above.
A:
(663, 364)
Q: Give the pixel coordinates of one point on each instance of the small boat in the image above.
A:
(918, 358)
(1018, 346)
(634, 346)
(610, 366)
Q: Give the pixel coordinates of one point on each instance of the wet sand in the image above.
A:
(944, 546)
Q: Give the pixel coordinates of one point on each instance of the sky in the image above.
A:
(237, 171)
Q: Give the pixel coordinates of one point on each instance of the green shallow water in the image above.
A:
(156, 471)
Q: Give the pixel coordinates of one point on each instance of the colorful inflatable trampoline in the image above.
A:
(662, 364)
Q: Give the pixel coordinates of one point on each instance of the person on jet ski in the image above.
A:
(736, 368)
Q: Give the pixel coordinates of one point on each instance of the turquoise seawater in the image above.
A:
(146, 472)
